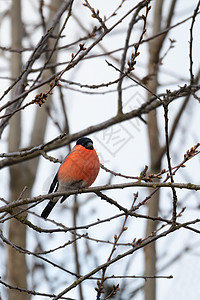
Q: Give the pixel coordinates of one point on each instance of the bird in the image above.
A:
(79, 169)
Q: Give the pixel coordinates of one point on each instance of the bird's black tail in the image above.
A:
(48, 209)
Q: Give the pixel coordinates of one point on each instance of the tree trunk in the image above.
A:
(155, 148)
(16, 262)
(25, 174)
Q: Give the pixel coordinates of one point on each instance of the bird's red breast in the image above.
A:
(80, 165)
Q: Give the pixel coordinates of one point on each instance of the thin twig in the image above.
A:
(175, 199)
(196, 11)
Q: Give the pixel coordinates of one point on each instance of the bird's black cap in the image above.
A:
(85, 142)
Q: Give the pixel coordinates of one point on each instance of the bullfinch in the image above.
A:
(78, 170)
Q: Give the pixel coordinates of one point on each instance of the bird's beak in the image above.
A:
(89, 146)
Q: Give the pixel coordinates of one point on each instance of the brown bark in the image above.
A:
(154, 145)
(25, 174)
(155, 47)
(16, 262)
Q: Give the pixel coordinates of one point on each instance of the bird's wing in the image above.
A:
(51, 204)
(54, 184)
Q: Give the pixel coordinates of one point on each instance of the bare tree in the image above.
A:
(156, 151)
(71, 56)
(16, 262)
(24, 176)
